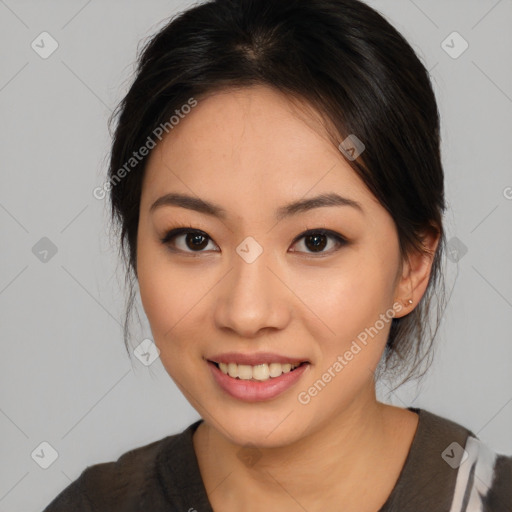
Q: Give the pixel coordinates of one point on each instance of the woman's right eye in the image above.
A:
(186, 240)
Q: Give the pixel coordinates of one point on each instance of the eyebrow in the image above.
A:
(208, 208)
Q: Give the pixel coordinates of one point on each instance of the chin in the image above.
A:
(265, 430)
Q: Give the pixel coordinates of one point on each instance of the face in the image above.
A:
(246, 280)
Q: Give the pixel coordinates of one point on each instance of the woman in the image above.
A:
(277, 181)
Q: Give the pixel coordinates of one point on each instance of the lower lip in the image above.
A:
(256, 391)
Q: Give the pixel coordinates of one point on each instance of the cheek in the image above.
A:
(348, 296)
(350, 337)
(167, 300)
(162, 299)
(163, 290)
(175, 305)
(159, 284)
(348, 302)
(153, 287)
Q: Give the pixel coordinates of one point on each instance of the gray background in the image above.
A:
(65, 376)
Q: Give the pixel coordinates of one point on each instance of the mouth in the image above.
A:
(256, 383)
(257, 373)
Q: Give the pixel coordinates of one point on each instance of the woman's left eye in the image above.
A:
(315, 240)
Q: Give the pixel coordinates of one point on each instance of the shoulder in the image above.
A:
(125, 484)
(480, 478)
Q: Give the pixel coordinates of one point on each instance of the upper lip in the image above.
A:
(255, 358)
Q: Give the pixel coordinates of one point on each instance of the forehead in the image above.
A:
(254, 144)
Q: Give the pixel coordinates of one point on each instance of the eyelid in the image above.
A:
(322, 231)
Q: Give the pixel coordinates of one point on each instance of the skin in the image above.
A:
(251, 151)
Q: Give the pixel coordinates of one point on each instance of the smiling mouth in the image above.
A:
(259, 372)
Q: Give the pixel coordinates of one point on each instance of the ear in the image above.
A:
(416, 272)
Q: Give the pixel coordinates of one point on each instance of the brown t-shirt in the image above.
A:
(447, 469)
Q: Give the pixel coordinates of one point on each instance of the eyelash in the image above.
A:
(173, 233)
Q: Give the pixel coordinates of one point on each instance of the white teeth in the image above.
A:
(233, 370)
(287, 367)
(259, 372)
(275, 369)
(244, 372)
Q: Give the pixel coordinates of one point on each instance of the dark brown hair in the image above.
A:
(349, 64)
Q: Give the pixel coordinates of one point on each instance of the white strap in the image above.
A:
(482, 459)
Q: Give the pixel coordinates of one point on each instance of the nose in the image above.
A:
(253, 298)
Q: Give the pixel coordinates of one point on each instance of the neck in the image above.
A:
(343, 458)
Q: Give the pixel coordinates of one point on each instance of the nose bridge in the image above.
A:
(252, 297)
